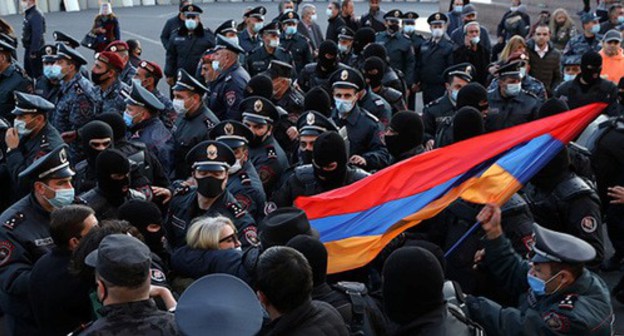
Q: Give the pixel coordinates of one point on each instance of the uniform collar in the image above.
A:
(8, 71)
(66, 85)
(128, 308)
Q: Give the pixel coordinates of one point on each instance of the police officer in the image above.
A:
(249, 38)
(363, 129)
(31, 137)
(25, 234)
(77, 102)
(187, 44)
(210, 162)
(409, 30)
(435, 55)
(564, 202)
(48, 85)
(149, 74)
(398, 46)
(440, 111)
(374, 70)
(32, 38)
(299, 46)
(267, 156)
(141, 118)
(258, 59)
(122, 49)
(227, 90)
(329, 170)
(112, 170)
(194, 119)
(60, 37)
(243, 181)
(374, 104)
(588, 40)
(588, 87)
(529, 83)
(12, 79)
(289, 100)
(317, 74)
(562, 298)
(510, 105)
(106, 75)
(345, 42)
(172, 24)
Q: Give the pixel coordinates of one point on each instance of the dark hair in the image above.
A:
(344, 3)
(614, 7)
(575, 269)
(336, 4)
(132, 44)
(67, 223)
(284, 277)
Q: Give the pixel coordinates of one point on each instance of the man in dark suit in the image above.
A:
(309, 28)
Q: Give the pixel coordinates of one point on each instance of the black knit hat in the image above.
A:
(116, 122)
(467, 123)
(412, 284)
(363, 36)
(472, 94)
(111, 161)
(95, 129)
(410, 127)
(330, 147)
(140, 213)
(317, 99)
(259, 85)
(375, 49)
(552, 107)
(316, 254)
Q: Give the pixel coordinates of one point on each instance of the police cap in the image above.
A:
(26, 103)
(393, 15)
(210, 155)
(259, 110)
(468, 9)
(509, 69)
(281, 225)
(54, 165)
(191, 10)
(314, 123)
(589, 17)
(289, 17)
(279, 69)
(48, 53)
(227, 26)
(410, 17)
(347, 77)
(230, 299)
(345, 33)
(437, 18)
(4, 46)
(465, 71)
(68, 53)
(121, 260)
(257, 12)
(553, 246)
(139, 96)
(232, 133)
(152, 68)
(63, 38)
(270, 28)
(224, 43)
(186, 82)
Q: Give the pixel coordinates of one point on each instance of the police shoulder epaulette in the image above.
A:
(209, 123)
(379, 102)
(228, 78)
(270, 149)
(181, 190)
(245, 178)
(372, 116)
(16, 219)
(531, 93)
(44, 142)
(236, 209)
(568, 302)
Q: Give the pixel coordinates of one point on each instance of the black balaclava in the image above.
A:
(375, 49)
(410, 129)
(371, 64)
(327, 65)
(552, 107)
(591, 66)
(317, 99)
(362, 38)
(330, 147)
(467, 123)
(431, 247)
(94, 130)
(259, 85)
(621, 90)
(316, 254)
(112, 161)
(140, 214)
(550, 175)
(474, 95)
(412, 284)
(116, 122)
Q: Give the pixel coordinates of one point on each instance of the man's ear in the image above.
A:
(262, 298)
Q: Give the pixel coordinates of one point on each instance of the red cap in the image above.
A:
(111, 59)
(117, 45)
(152, 68)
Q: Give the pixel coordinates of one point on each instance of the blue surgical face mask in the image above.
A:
(313, 17)
(233, 40)
(513, 89)
(274, 43)
(454, 94)
(257, 26)
(128, 119)
(475, 40)
(568, 77)
(62, 197)
(20, 127)
(343, 106)
(620, 19)
(290, 30)
(329, 12)
(408, 29)
(216, 66)
(343, 48)
(458, 9)
(57, 72)
(437, 32)
(595, 29)
(190, 24)
(48, 71)
(538, 286)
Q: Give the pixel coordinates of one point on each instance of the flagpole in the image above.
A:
(461, 240)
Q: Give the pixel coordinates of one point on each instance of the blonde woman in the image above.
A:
(516, 44)
(105, 27)
(212, 247)
(562, 28)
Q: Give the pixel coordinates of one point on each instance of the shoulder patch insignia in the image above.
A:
(589, 224)
(13, 221)
(236, 210)
(230, 97)
(243, 200)
(251, 235)
(6, 249)
(556, 322)
(269, 207)
(266, 174)
(157, 275)
(568, 302)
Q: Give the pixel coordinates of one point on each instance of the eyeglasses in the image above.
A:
(229, 239)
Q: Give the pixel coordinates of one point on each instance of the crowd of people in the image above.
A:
(126, 210)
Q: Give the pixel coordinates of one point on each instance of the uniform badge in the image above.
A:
(269, 207)
(310, 119)
(228, 129)
(258, 105)
(344, 75)
(113, 48)
(49, 50)
(556, 322)
(143, 64)
(589, 224)
(236, 210)
(251, 235)
(290, 15)
(437, 16)
(396, 14)
(244, 200)
(230, 97)
(14, 220)
(179, 75)
(266, 173)
(63, 155)
(6, 249)
(157, 275)
(212, 152)
(191, 9)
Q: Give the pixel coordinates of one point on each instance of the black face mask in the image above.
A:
(154, 240)
(393, 28)
(330, 179)
(328, 64)
(305, 156)
(97, 78)
(396, 146)
(621, 97)
(91, 155)
(210, 187)
(588, 75)
(113, 189)
(374, 80)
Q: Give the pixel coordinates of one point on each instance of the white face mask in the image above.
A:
(235, 168)
(20, 127)
(178, 106)
(274, 43)
(313, 17)
(437, 32)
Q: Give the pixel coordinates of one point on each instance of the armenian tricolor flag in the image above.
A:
(356, 222)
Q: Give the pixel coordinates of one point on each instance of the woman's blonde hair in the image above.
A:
(553, 22)
(205, 232)
(513, 43)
